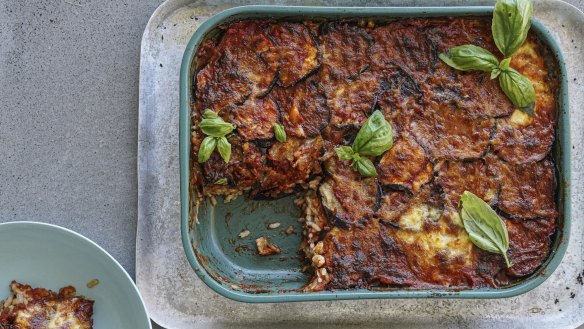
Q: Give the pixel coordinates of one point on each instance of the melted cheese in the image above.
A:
(428, 244)
(71, 313)
(414, 218)
(519, 118)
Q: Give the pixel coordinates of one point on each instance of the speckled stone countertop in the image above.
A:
(69, 115)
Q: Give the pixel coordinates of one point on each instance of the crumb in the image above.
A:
(289, 230)
(92, 283)
(265, 248)
(244, 233)
(272, 226)
(160, 64)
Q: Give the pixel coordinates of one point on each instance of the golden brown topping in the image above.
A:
(455, 131)
(405, 166)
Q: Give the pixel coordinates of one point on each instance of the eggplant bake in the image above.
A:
(453, 131)
(40, 308)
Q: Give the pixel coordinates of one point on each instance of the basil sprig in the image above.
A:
(216, 129)
(374, 138)
(280, 133)
(484, 227)
(511, 22)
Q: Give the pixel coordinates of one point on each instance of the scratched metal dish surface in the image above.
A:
(176, 298)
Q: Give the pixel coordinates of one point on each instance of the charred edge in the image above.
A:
(327, 120)
(266, 195)
(308, 74)
(404, 82)
(273, 83)
(378, 196)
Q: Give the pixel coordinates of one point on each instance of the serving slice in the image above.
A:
(39, 308)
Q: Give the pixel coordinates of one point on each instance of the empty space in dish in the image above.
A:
(234, 259)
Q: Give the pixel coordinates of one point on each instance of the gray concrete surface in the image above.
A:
(68, 116)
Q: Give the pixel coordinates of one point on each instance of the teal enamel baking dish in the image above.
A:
(230, 266)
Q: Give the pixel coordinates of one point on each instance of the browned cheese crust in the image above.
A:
(240, 69)
(296, 51)
(39, 308)
(304, 110)
(254, 118)
(405, 166)
(454, 131)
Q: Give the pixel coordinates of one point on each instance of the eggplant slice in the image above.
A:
(219, 84)
(244, 170)
(289, 165)
(529, 244)
(303, 108)
(473, 92)
(397, 110)
(405, 166)
(351, 102)
(239, 69)
(455, 177)
(404, 210)
(340, 135)
(344, 51)
(348, 198)
(402, 44)
(522, 139)
(461, 137)
(365, 256)
(527, 190)
(296, 52)
(254, 118)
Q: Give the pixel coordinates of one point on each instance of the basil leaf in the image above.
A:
(280, 133)
(224, 148)
(207, 147)
(210, 114)
(375, 137)
(511, 22)
(495, 73)
(344, 152)
(504, 65)
(364, 166)
(519, 90)
(221, 181)
(469, 57)
(216, 127)
(484, 227)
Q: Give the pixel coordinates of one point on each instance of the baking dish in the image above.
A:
(230, 266)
